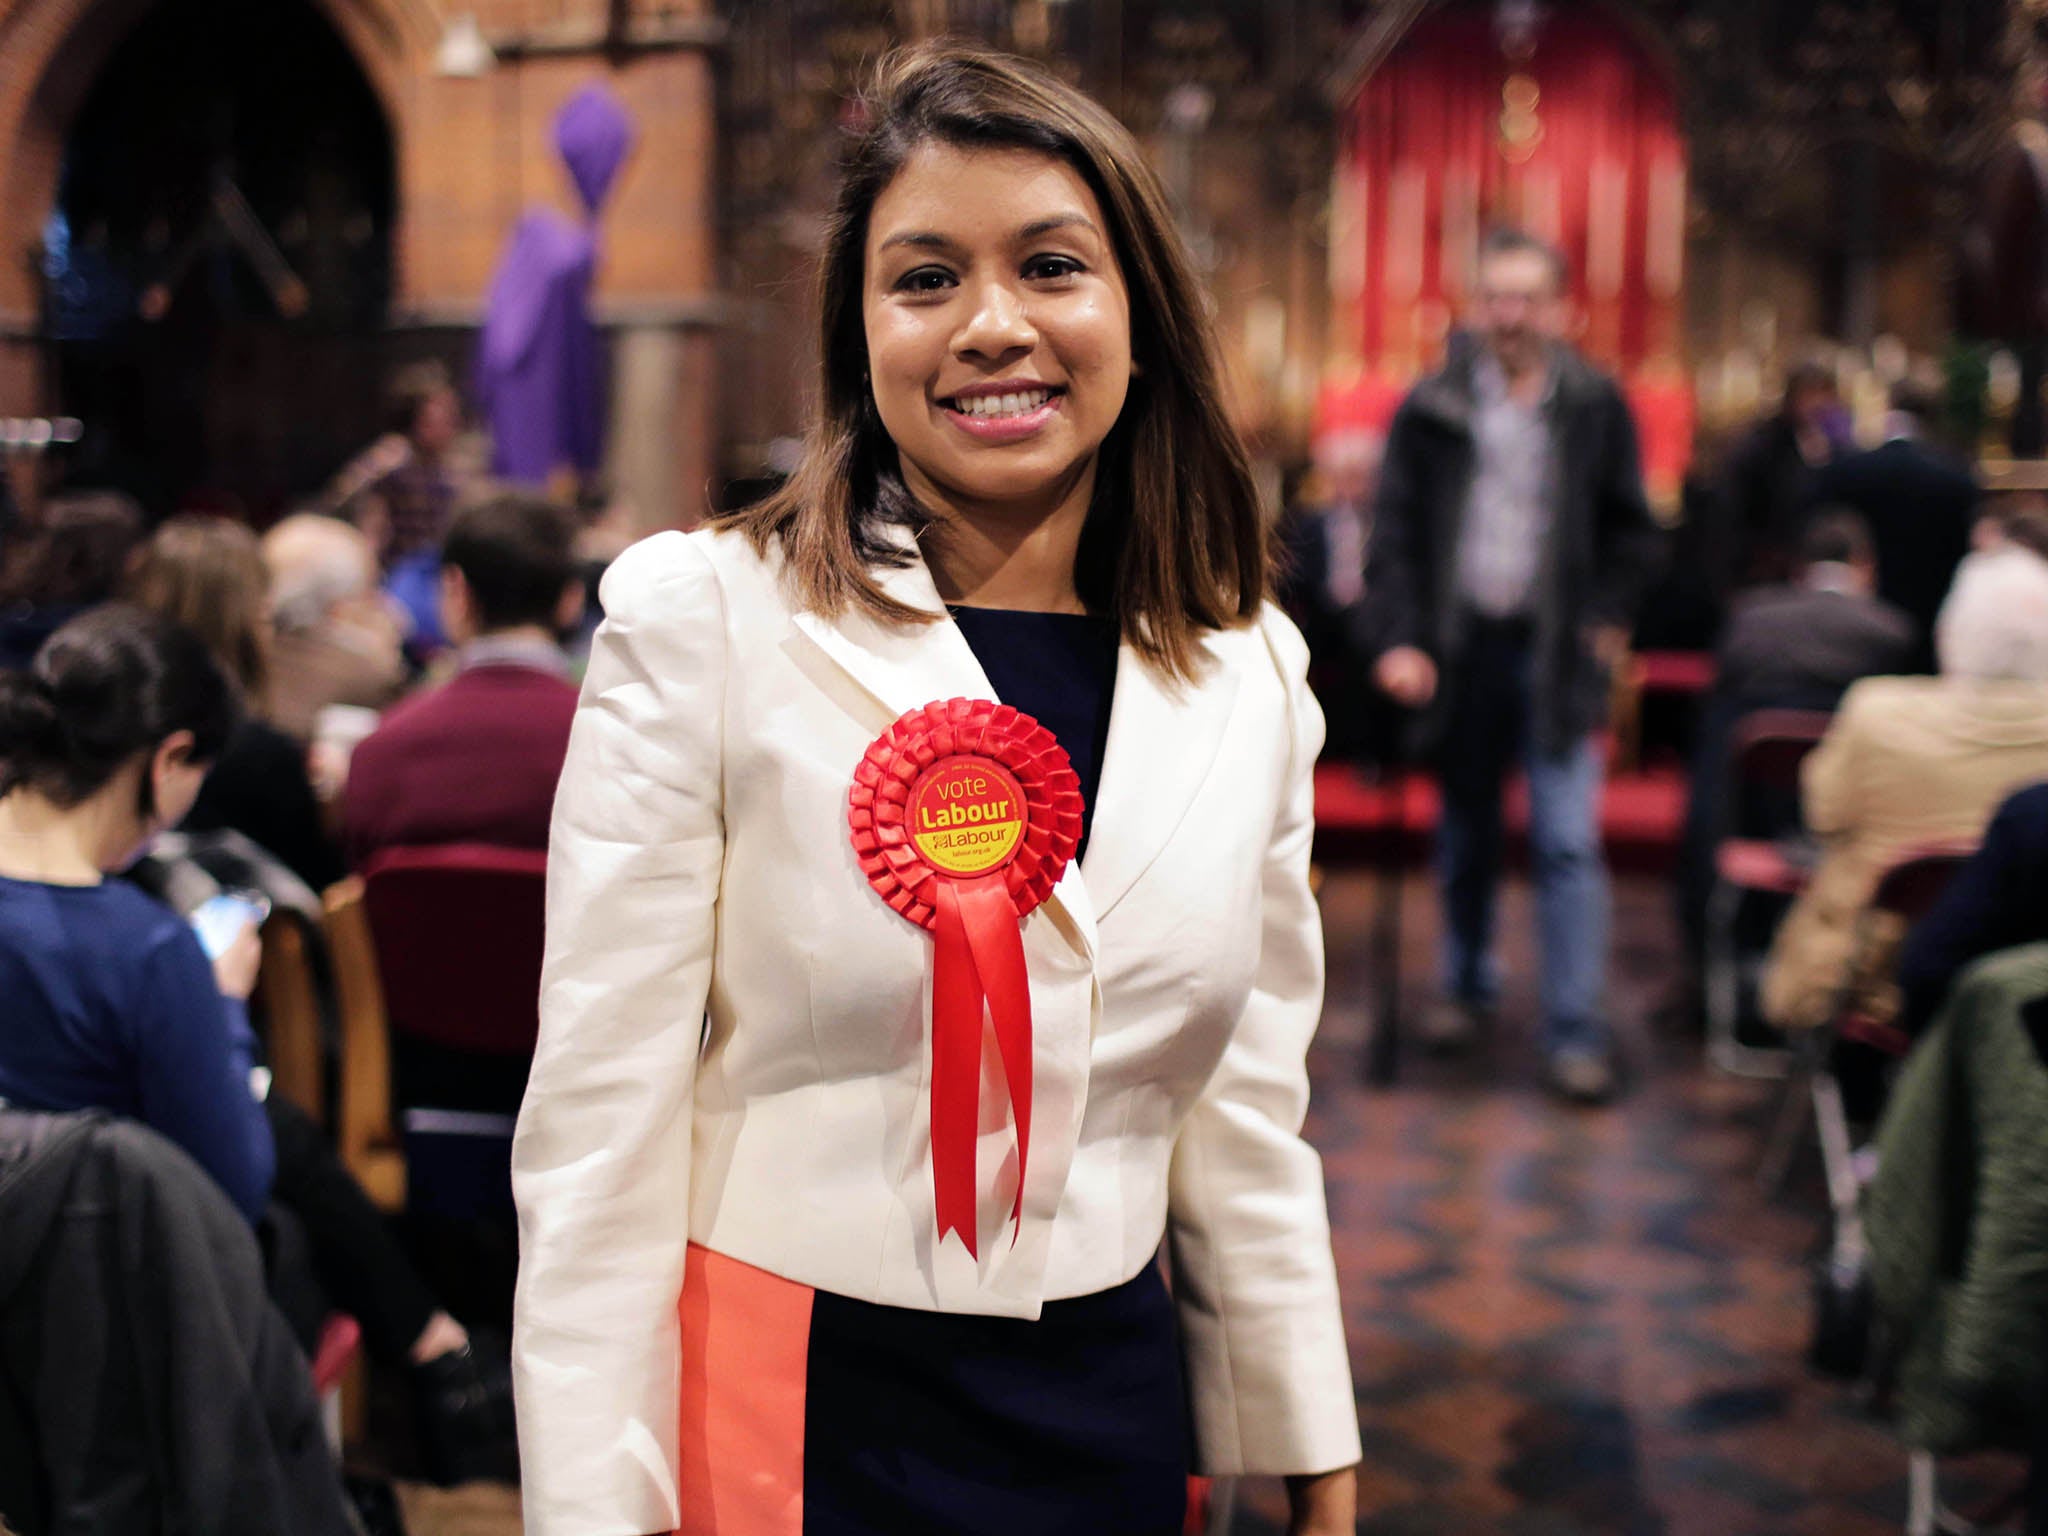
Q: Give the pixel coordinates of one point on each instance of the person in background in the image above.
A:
(476, 759)
(2014, 519)
(1798, 645)
(1767, 483)
(1997, 900)
(208, 575)
(1801, 644)
(1509, 541)
(401, 490)
(111, 1003)
(335, 640)
(1323, 583)
(1920, 502)
(69, 561)
(1910, 761)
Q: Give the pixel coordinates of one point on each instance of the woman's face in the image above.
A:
(998, 326)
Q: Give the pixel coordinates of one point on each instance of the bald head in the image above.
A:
(316, 564)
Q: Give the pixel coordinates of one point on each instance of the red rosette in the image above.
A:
(964, 814)
(962, 728)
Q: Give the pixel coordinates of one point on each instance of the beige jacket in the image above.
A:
(733, 1027)
(1908, 761)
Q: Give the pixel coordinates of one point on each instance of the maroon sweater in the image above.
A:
(473, 761)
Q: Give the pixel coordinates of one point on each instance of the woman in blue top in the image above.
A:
(111, 1003)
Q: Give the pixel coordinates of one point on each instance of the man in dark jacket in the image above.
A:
(1798, 645)
(1920, 503)
(1509, 542)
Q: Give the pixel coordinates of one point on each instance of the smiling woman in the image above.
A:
(998, 237)
(930, 941)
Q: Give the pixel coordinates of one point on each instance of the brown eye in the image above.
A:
(924, 280)
(1051, 266)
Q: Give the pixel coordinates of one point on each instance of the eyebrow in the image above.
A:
(926, 239)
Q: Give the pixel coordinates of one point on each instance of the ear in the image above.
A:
(172, 753)
(455, 605)
(569, 611)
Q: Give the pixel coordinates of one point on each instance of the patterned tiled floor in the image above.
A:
(1566, 1322)
(1563, 1323)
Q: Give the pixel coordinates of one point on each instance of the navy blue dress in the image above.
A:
(934, 1424)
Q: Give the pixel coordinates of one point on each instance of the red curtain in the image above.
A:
(1446, 138)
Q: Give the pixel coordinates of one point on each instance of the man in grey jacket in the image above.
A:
(1510, 541)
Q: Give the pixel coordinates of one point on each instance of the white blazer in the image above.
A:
(734, 1045)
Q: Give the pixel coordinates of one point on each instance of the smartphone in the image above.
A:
(219, 920)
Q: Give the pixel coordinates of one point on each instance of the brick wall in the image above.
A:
(472, 155)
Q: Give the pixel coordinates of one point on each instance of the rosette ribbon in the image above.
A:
(964, 813)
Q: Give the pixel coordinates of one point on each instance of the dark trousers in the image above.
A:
(328, 1247)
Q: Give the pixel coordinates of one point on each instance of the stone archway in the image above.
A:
(56, 49)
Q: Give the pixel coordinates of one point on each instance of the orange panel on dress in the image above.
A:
(745, 1347)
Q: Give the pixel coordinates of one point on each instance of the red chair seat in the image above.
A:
(1675, 671)
(340, 1338)
(1756, 864)
(1878, 1035)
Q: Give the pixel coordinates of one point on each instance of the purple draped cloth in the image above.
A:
(539, 372)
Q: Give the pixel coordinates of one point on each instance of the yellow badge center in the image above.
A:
(966, 816)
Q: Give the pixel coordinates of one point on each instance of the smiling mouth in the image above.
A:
(1016, 404)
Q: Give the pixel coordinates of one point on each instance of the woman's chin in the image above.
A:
(1037, 489)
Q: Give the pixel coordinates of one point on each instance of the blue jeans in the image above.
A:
(1489, 729)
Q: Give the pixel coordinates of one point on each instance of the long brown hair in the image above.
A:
(1174, 544)
(208, 575)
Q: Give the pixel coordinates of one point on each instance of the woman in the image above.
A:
(104, 743)
(208, 575)
(1022, 485)
(111, 1003)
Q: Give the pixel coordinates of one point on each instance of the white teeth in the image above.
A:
(1002, 405)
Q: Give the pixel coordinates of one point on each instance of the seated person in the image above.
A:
(1909, 761)
(112, 1004)
(71, 559)
(1997, 900)
(207, 575)
(476, 760)
(1794, 646)
(335, 641)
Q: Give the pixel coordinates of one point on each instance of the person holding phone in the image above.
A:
(113, 1003)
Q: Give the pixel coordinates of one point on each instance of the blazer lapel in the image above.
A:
(1163, 739)
(901, 667)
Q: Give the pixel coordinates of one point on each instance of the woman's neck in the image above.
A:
(999, 556)
(44, 842)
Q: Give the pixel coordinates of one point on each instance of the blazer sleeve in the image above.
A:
(1254, 1279)
(601, 1160)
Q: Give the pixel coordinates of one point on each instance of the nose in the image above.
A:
(998, 325)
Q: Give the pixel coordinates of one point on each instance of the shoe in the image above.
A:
(1583, 1077)
(464, 1402)
(1450, 1026)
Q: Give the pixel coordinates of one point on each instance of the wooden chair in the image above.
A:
(288, 997)
(1765, 756)
(369, 1146)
